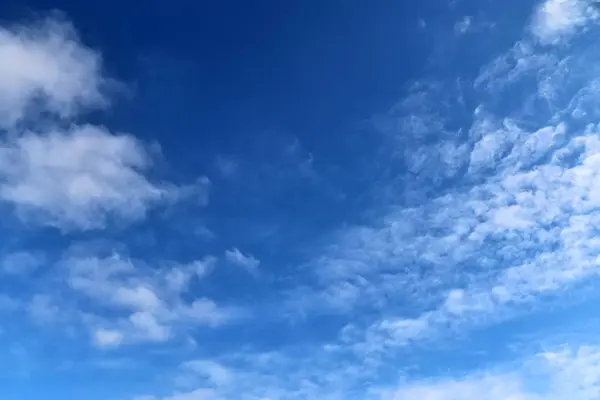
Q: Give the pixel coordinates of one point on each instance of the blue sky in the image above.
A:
(299, 200)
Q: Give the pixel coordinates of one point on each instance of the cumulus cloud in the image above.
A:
(46, 67)
(78, 177)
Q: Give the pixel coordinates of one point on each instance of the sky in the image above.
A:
(382, 200)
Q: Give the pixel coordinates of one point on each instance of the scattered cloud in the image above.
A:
(490, 213)
(80, 176)
(107, 338)
(43, 309)
(20, 262)
(573, 373)
(215, 373)
(236, 257)
(463, 25)
(501, 212)
(150, 304)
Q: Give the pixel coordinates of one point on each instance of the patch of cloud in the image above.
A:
(43, 310)
(506, 224)
(82, 177)
(228, 167)
(78, 177)
(20, 262)
(107, 338)
(46, 62)
(236, 257)
(8, 303)
(464, 25)
(470, 388)
(150, 305)
(555, 20)
(214, 372)
(565, 372)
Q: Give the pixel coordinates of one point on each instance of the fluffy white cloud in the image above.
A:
(558, 19)
(78, 177)
(45, 66)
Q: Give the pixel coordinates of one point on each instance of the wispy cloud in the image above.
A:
(150, 304)
(492, 209)
(463, 25)
(20, 262)
(501, 211)
(572, 372)
(236, 257)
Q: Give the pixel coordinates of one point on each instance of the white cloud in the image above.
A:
(507, 224)
(559, 19)
(107, 338)
(149, 303)
(528, 229)
(463, 25)
(475, 388)
(42, 309)
(46, 63)
(146, 325)
(80, 178)
(238, 258)
(566, 372)
(178, 277)
(214, 372)
(550, 376)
